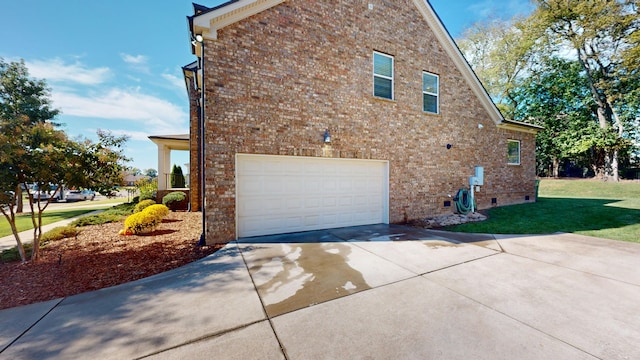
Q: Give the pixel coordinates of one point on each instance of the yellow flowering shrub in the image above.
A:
(142, 205)
(145, 220)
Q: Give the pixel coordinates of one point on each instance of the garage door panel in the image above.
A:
(278, 194)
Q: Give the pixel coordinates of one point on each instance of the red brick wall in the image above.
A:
(277, 80)
(195, 200)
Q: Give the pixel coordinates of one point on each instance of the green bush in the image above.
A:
(59, 233)
(142, 205)
(177, 177)
(173, 198)
(113, 214)
(136, 199)
(145, 220)
(97, 219)
(147, 195)
(10, 255)
(121, 209)
(147, 188)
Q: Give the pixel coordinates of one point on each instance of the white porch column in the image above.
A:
(164, 165)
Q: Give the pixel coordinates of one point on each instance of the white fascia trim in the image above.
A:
(520, 126)
(461, 63)
(209, 23)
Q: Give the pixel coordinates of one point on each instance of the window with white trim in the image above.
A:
(382, 75)
(513, 152)
(430, 93)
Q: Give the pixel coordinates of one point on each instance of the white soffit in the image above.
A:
(209, 23)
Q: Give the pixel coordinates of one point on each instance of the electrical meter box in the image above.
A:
(479, 175)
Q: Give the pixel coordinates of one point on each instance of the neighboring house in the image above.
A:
(407, 118)
(131, 180)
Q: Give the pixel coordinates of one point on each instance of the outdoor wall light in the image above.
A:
(197, 39)
(327, 136)
(449, 146)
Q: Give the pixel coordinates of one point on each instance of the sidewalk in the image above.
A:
(9, 241)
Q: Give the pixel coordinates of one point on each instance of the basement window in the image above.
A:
(513, 152)
(430, 92)
(382, 75)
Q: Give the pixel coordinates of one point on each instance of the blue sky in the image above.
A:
(116, 65)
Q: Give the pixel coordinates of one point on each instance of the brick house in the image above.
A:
(322, 114)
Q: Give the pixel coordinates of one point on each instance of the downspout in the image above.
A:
(201, 158)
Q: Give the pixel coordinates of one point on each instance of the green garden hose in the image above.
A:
(463, 201)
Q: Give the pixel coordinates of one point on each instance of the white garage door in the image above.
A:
(280, 194)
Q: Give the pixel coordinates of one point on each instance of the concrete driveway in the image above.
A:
(372, 292)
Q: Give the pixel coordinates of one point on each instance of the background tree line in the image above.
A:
(572, 67)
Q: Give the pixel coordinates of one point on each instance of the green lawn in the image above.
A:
(606, 210)
(23, 222)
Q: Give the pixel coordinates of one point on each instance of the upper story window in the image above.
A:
(382, 75)
(513, 152)
(430, 93)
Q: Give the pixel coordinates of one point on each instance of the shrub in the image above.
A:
(143, 204)
(122, 209)
(113, 214)
(59, 233)
(172, 199)
(97, 219)
(147, 195)
(158, 210)
(136, 199)
(12, 254)
(148, 188)
(177, 178)
(145, 220)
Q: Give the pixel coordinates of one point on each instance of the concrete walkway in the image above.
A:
(373, 292)
(9, 241)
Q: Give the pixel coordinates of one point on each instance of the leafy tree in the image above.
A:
(135, 171)
(33, 151)
(152, 173)
(500, 52)
(556, 96)
(177, 178)
(601, 34)
(23, 99)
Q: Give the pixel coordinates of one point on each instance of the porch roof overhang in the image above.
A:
(173, 142)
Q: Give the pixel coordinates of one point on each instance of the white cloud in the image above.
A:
(155, 114)
(137, 62)
(56, 70)
(134, 59)
(174, 80)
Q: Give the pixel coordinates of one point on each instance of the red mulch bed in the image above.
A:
(98, 257)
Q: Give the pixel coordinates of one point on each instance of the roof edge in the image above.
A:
(520, 126)
(208, 23)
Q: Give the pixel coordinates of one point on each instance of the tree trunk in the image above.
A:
(11, 218)
(615, 161)
(37, 232)
(19, 204)
(556, 167)
(605, 113)
(19, 245)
